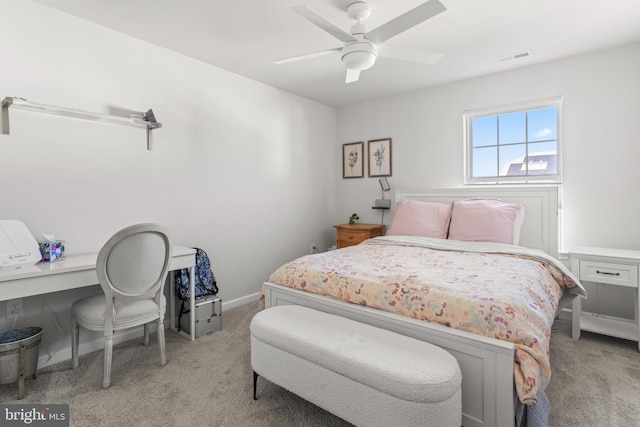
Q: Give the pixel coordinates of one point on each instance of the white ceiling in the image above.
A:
(246, 36)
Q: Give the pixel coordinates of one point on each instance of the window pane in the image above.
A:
(484, 131)
(485, 162)
(542, 124)
(513, 127)
(518, 143)
(512, 160)
(543, 158)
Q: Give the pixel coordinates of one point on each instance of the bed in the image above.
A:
(498, 369)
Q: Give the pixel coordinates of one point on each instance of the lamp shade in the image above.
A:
(384, 184)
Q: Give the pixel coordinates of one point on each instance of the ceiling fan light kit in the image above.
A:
(360, 55)
(360, 47)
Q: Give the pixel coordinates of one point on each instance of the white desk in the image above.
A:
(79, 271)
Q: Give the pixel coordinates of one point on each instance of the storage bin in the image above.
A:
(15, 345)
(208, 316)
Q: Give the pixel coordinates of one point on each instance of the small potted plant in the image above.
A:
(353, 218)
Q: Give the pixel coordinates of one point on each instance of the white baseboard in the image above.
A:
(228, 305)
(85, 347)
(97, 344)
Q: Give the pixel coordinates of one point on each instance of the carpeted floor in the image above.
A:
(208, 382)
(595, 380)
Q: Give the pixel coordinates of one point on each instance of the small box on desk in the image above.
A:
(52, 251)
(208, 316)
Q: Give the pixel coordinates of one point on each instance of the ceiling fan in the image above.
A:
(361, 47)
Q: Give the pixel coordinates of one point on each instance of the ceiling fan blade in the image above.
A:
(308, 56)
(352, 75)
(323, 23)
(409, 54)
(405, 21)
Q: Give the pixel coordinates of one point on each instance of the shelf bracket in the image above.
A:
(140, 120)
(5, 115)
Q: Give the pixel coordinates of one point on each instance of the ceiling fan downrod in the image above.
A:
(361, 54)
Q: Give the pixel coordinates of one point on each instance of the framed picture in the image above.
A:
(380, 157)
(353, 160)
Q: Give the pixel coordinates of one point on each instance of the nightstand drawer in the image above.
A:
(604, 272)
(353, 236)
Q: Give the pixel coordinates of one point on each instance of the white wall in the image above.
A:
(240, 169)
(601, 144)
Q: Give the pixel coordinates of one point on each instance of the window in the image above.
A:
(514, 144)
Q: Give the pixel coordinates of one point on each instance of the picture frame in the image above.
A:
(353, 160)
(379, 157)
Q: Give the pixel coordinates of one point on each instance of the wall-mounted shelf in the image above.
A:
(140, 120)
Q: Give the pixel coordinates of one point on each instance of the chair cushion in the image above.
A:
(89, 312)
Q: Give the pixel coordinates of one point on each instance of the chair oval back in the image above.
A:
(133, 264)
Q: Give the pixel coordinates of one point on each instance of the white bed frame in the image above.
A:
(486, 363)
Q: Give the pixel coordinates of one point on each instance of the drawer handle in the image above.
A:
(607, 273)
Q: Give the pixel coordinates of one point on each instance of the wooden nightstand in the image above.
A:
(352, 234)
(616, 267)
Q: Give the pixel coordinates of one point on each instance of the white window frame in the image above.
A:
(468, 117)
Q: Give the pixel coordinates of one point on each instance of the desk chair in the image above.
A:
(131, 267)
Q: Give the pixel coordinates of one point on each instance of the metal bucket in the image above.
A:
(10, 342)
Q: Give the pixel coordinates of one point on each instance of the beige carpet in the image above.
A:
(208, 382)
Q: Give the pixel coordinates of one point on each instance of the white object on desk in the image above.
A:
(79, 271)
(617, 267)
(17, 245)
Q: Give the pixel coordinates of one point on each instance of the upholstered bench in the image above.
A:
(363, 374)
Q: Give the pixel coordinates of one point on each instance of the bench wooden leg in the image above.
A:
(255, 383)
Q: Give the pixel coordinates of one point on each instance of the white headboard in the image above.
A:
(540, 227)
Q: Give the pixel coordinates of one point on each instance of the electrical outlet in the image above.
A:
(14, 308)
(314, 249)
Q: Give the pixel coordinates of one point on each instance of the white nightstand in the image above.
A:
(616, 267)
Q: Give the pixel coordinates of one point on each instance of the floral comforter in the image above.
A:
(500, 291)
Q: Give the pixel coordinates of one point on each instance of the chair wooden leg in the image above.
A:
(146, 334)
(108, 348)
(75, 337)
(163, 355)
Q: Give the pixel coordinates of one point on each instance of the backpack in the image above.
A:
(205, 280)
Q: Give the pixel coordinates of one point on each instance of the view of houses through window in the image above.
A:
(514, 144)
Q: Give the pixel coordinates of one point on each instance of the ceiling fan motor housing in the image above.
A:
(359, 55)
(359, 10)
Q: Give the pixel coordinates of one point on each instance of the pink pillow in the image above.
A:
(486, 220)
(416, 218)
